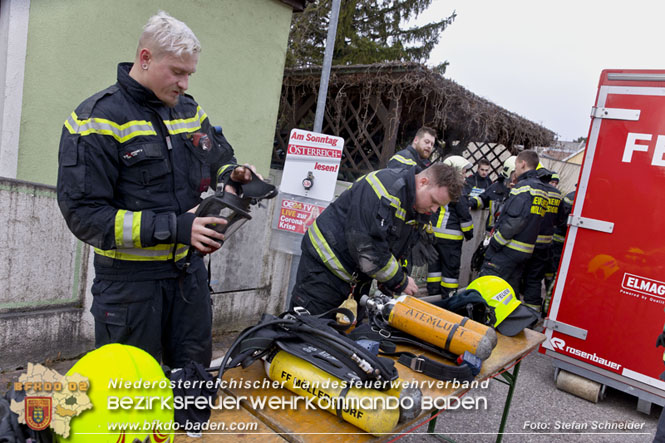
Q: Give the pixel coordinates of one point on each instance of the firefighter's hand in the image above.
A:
(203, 237)
(661, 339)
(242, 174)
(411, 287)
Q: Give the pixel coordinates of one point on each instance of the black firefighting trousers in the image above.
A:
(170, 318)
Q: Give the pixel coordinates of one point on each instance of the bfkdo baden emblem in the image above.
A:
(38, 412)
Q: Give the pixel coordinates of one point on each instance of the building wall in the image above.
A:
(73, 48)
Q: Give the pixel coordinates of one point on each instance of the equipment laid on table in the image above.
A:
(315, 359)
(409, 320)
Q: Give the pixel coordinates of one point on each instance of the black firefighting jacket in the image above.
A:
(566, 208)
(554, 216)
(453, 221)
(476, 185)
(407, 158)
(519, 223)
(369, 229)
(493, 198)
(128, 173)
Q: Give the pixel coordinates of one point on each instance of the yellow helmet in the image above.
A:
(113, 372)
(458, 162)
(511, 315)
(508, 166)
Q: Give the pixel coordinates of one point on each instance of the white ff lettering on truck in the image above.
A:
(632, 146)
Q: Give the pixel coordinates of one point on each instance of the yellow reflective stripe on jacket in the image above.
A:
(544, 239)
(388, 271)
(441, 232)
(449, 234)
(401, 159)
(327, 255)
(223, 169)
(149, 253)
(567, 200)
(467, 226)
(128, 229)
(479, 202)
(558, 238)
(121, 133)
(183, 125)
(530, 190)
(381, 191)
(514, 244)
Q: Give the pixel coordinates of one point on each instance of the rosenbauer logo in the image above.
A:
(560, 345)
(643, 285)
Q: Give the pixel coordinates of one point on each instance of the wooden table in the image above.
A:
(314, 425)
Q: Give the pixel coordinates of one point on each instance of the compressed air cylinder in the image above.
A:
(450, 316)
(373, 411)
(437, 331)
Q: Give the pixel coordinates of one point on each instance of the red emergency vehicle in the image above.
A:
(608, 305)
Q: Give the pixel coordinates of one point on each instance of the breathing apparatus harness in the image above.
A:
(314, 338)
(467, 364)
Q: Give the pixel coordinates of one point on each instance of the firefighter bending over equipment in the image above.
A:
(366, 232)
(417, 153)
(132, 167)
(452, 224)
(518, 225)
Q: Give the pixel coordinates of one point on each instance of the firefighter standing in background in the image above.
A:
(452, 224)
(129, 180)
(478, 182)
(494, 196)
(417, 153)
(537, 265)
(366, 232)
(559, 237)
(518, 225)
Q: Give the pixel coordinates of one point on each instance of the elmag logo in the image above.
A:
(559, 344)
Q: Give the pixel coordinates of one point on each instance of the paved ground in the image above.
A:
(536, 403)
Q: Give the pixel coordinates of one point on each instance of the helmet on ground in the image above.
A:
(113, 371)
(508, 167)
(511, 315)
(458, 162)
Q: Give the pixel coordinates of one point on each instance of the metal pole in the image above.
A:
(325, 69)
(320, 111)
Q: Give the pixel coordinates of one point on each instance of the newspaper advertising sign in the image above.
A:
(312, 164)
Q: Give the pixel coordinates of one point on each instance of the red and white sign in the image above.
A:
(297, 217)
(312, 159)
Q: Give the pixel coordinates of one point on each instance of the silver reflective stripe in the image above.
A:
(326, 254)
(122, 133)
(381, 191)
(127, 223)
(190, 124)
(388, 271)
(447, 231)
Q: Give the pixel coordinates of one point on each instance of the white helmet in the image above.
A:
(458, 162)
(508, 167)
